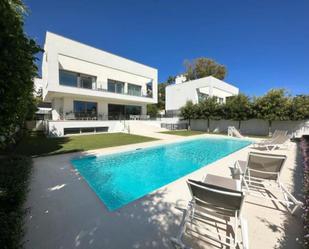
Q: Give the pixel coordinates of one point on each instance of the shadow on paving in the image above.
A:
(66, 213)
(292, 227)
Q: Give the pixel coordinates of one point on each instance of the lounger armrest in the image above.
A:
(244, 233)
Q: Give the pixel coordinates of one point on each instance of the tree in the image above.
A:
(189, 112)
(17, 68)
(209, 109)
(299, 109)
(274, 105)
(152, 110)
(238, 108)
(202, 67)
(161, 91)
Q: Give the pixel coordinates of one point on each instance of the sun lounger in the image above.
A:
(275, 134)
(278, 142)
(216, 201)
(260, 175)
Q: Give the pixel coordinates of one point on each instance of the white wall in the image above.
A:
(61, 52)
(56, 128)
(178, 94)
(250, 127)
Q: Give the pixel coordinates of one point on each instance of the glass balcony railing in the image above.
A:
(106, 90)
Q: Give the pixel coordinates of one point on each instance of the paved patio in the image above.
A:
(65, 213)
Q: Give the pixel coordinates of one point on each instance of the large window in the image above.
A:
(134, 90)
(83, 109)
(115, 86)
(86, 81)
(68, 78)
(123, 111)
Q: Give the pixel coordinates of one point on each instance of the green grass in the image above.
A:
(184, 133)
(36, 144)
(15, 172)
(191, 133)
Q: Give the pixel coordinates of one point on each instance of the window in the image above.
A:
(220, 100)
(86, 81)
(202, 96)
(123, 111)
(115, 86)
(133, 110)
(134, 90)
(68, 78)
(83, 109)
(77, 130)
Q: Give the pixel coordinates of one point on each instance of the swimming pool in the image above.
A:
(121, 178)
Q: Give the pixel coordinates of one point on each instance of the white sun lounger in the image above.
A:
(215, 201)
(261, 174)
(278, 142)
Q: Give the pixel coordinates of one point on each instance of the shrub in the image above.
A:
(152, 110)
(14, 177)
(305, 152)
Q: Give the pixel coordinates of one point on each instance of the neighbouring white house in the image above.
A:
(89, 88)
(176, 95)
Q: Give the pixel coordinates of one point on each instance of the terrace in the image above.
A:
(60, 197)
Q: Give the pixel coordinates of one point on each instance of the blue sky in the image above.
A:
(263, 43)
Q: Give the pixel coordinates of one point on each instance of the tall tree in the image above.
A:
(189, 112)
(238, 108)
(17, 66)
(152, 110)
(300, 107)
(274, 105)
(209, 109)
(161, 91)
(202, 67)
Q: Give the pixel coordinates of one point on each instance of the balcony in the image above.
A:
(124, 93)
(93, 116)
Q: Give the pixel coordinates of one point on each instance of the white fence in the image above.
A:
(252, 126)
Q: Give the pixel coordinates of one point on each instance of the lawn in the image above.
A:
(191, 133)
(36, 144)
(184, 133)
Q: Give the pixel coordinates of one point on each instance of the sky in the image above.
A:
(264, 44)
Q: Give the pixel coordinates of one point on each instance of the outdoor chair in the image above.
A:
(277, 142)
(275, 134)
(260, 177)
(214, 213)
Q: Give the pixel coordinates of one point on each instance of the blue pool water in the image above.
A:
(121, 178)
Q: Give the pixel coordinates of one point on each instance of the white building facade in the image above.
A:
(178, 94)
(88, 87)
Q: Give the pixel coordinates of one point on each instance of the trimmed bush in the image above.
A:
(305, 152)
(14, 178)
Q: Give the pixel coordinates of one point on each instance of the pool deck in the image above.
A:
(65, 213)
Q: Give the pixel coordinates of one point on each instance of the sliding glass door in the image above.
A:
(116, 112)
(85, 110)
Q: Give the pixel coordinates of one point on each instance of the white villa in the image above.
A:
(178, 94)
(88, 87)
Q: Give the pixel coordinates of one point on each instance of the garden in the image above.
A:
(275, 105)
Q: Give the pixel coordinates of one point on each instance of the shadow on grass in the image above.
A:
(37, 144)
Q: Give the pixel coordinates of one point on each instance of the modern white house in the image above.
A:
(176, 95)
(89, 88)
